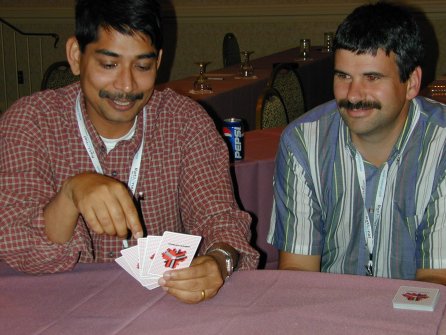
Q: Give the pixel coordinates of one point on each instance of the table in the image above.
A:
(234, 97)
(436, 90)
(253, 185)
(104, 299)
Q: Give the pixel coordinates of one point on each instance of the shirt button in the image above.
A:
(111, 254)
(114, 173)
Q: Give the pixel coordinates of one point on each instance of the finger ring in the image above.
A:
(203, 295)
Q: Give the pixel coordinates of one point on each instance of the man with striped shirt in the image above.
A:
(359, 186)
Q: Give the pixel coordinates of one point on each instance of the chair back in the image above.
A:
(58, 75)
(271, 111)
(285, 79)
(231, 50)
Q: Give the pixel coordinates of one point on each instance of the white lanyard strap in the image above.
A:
(88, 143)
(370, 228)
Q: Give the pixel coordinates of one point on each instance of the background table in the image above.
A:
(104, 299)
(234, 97)
(436, 90)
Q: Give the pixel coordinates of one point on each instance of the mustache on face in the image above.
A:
(121, 96)
(359, 105)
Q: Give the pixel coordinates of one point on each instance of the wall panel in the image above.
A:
(195, 28)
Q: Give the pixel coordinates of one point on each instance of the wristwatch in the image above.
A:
(228, 260)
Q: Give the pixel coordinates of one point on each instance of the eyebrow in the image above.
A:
(371, 73)
(109, 53)
(336, 71)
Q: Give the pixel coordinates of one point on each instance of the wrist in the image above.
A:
(220, 259)
(225, 258)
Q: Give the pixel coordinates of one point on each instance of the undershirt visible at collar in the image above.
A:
(110, 143)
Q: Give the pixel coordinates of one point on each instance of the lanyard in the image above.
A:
(88, 143)
(370, 228)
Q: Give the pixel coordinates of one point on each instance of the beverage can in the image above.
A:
(233, 132)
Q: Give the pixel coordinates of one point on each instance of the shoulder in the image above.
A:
(42, 106)
(320, 121)
(431, 111)
(176, 108)
(173, 102)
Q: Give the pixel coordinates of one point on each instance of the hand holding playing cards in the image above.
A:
(104, 202)
(168, 261)
(188, 284)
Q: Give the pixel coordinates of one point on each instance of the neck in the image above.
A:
(374, 153)
(117, 132)
(376, 146)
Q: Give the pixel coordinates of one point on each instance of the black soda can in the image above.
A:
(233, 132)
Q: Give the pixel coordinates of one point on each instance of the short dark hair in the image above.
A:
(125, 16)
(383, 26)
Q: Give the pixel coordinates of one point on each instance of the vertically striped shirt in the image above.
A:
(319, 209)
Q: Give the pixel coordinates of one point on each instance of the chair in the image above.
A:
(58, 75)
(270, 110)
(231, 50)
(285, 79)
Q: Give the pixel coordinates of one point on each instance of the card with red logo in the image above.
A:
(175, 251)
(416, 298)
(153, 255)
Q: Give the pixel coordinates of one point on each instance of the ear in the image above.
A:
(73, 54)
(414, 83)
(158, 61)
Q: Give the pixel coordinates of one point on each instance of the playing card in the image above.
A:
(142, 243)
(416, 298)
(175, 251)
(131, 257)
(121, 261)
(152, 243)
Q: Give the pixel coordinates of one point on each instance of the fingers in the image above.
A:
(199, 282)
(106, 205)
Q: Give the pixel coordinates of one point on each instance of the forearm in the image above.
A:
(26, 247)
(437, 276)
(60, 218)
(289, 261)
(209, 207)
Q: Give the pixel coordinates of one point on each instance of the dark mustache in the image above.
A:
(359, 105)
(120, 95)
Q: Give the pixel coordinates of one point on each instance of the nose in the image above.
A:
(355, 91)
(124, 80)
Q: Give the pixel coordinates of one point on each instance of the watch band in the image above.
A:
(228, 260)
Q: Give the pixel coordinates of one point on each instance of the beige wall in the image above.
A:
(195, 28)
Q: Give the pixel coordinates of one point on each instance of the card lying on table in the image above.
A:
(416, 298)
(153, 255)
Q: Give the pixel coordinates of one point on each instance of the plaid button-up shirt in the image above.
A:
(184, 177)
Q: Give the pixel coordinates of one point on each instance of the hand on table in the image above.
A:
(188, 284)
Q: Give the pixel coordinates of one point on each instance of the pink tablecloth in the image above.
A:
(104, 299)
